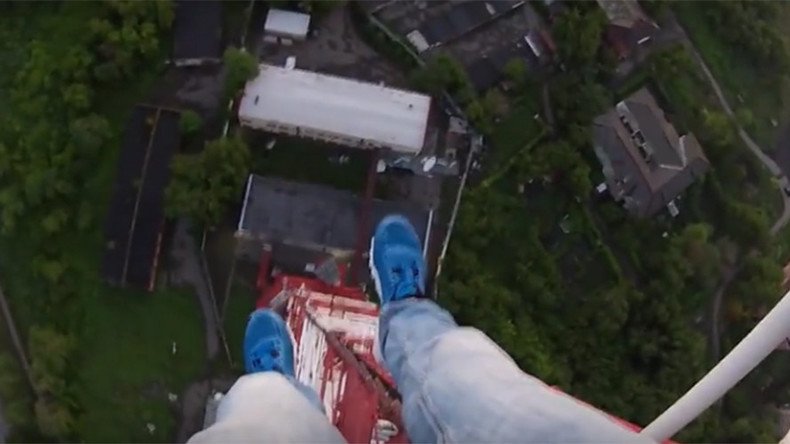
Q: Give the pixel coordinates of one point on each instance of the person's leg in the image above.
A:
(456, 384)
(268, 404)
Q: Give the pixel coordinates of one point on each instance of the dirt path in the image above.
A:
(20, 351)
(769, 163)
(188, 272)
(715, 320)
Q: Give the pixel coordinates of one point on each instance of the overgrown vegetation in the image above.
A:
(444, 73)
(77, 74)
(750, 60)
(205, 184)
(190, 123)
(584, 296)
(319, 162)
(240, 66)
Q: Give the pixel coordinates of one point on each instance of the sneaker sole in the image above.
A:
(374, 273)
(378, 354)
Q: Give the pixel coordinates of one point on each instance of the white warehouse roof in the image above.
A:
(287, 23)
(352, 112)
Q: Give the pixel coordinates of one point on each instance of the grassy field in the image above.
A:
(240, 305)
(124, 368)
(128, 368)
(318, 162)
(743, 83)
(514, 131)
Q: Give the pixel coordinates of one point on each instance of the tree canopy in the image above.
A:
(578, 35)
(49, 355)
(444, 73)
(190, 123)
(240, 66)
(203, 185)
(748, 25)
(53, 136)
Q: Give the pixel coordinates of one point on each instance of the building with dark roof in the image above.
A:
(197, 32)
(458, 21)
(314, 217)
(628, 28)
(645, 162)
(136, 217)
(536, 49)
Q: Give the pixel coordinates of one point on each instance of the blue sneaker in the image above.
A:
(267, 344)
(396, 261)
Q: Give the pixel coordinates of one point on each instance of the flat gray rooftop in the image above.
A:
(314, 216)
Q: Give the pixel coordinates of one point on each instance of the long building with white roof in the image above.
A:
(335, 109)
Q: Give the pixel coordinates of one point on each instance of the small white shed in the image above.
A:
(286, 25)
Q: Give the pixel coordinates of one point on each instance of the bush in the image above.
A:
(204, 184)
(240, 66)
(444, 73)
(190, 123)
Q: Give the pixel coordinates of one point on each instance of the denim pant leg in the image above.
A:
(458, 386)
(269, 407)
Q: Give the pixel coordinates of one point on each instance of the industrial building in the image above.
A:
(344, 111)
(313, 216)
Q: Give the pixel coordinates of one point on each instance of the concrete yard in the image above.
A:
(333, 47)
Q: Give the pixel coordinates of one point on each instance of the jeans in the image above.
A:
(457, 386)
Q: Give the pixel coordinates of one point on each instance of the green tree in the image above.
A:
(578, 36)
(126, 35)
(746, 224)
(90, 133)
(718, 127)
(576, 101)
(49, 355)
(480, 116)
(190, 123)
(54, 419)
(444, 73)
(203, 185)
(700, 258)
(495, 103)
(240, 67)
(12, 391)
(516, 72)
(759, 283)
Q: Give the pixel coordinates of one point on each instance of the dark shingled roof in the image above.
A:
(488, 70)
(437, 30)
(197, 30)
(501, 6)
(651, 126)
(646, 186)
(314, 216)
(463, 18)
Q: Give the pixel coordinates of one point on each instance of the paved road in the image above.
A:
(729, 275)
